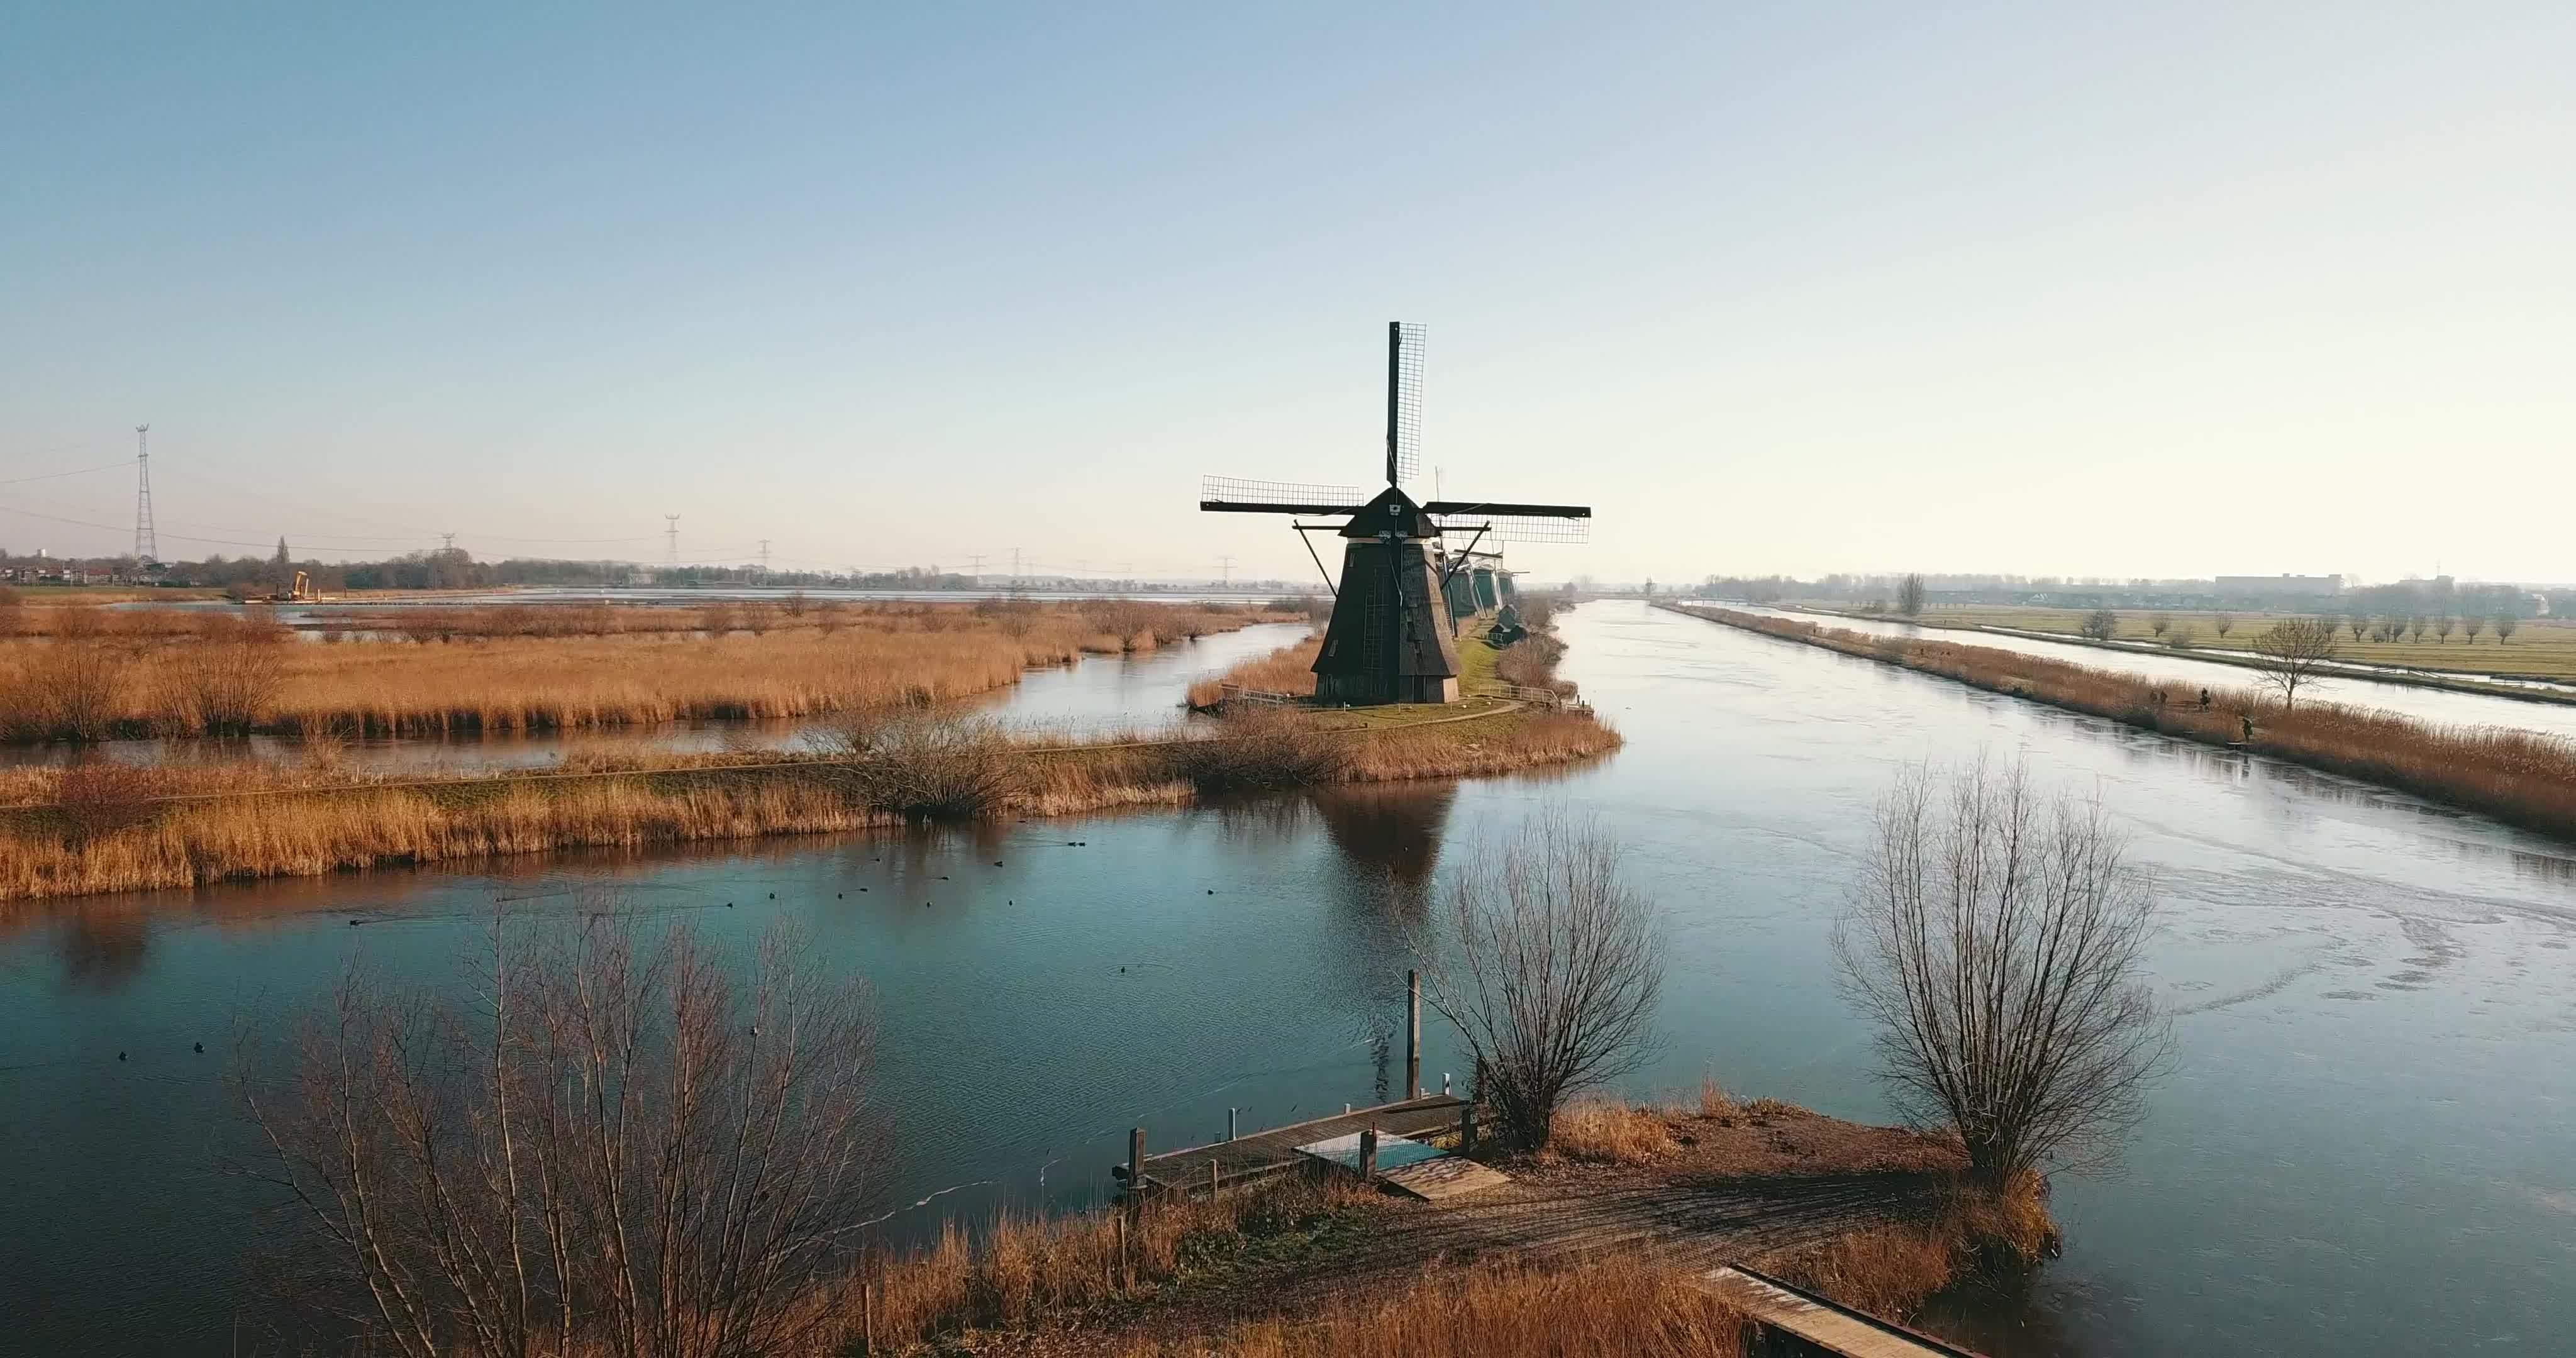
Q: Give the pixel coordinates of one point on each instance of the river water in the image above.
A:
(2365, 1144)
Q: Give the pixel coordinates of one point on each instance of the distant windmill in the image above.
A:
(1390, 637)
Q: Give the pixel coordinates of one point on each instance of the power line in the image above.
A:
(76, 471)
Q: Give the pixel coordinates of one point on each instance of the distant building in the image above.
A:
(2280, 586)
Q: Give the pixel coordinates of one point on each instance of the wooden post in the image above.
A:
(867, 1313)
(1120, 1265)
(1368, 1155)
(1467, 1130)
(1136, 1163)
(1412, 1033)
(1211, 1178)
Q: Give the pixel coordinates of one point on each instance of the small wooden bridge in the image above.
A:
(1796, 1323)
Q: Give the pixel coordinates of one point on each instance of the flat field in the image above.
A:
(2541, 648)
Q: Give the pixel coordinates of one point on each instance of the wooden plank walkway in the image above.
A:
(1269, 1151)
(1811, 1324)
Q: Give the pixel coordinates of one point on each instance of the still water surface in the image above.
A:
(2366, 1142)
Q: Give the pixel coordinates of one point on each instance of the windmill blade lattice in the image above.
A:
(1516, 528)
(1404, 416)
(1245, 493)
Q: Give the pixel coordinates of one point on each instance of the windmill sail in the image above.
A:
(1403, 403)
(1508, 522)
(1244, 495)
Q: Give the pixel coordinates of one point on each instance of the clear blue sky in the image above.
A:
(2046, 288)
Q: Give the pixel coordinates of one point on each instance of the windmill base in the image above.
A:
(1358, 690)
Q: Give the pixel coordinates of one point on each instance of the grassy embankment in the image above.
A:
(99, 827)
(2518, 777)
(2540, 648)
(94, 673)
(1302, 1267)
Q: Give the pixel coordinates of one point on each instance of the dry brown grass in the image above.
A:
(505, 673)
(1892, 1269)
(1622, 1306)
(2516, 776)
(254, 820)
(1021, 1267)
(1289, 670)
(1610, 1131)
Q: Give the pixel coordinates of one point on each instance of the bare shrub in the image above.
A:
(2101, 624)
(101, 796)
(936, 768)
(1550, 969)
(2292, 653)
(1260, 748)
(718, 619)
(71, 688)
(1999, 940)
(758, 617)
(225, 683)
(613, 1151)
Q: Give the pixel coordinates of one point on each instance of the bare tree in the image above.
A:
(1550, 970)
(2444, 625)
(2292, 653)
(2160, 623)
(2100, 624)
(2356, 623)
(2226, 623)
(2505, 623)
(1909, 596)
(2476, 623)
(1998, 938)
(613, 1153)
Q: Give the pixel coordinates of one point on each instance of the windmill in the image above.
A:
(1392, 637)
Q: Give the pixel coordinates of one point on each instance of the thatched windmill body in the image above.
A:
(1392, 638)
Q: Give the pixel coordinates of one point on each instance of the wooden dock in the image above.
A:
(1274, 1150)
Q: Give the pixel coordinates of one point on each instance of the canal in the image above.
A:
(2365, 1141)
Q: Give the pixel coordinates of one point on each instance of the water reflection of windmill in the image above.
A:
(1392, 637)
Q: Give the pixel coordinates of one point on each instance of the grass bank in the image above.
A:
(2538, 648)
(2391, 668)
(2518, 777)
(100, 826)
(1303, 1266)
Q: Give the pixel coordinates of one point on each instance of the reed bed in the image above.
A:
(729, 663)
(2520, 777)
(101, 827)
(1290, 670)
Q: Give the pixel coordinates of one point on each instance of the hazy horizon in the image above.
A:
(2017, 289)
